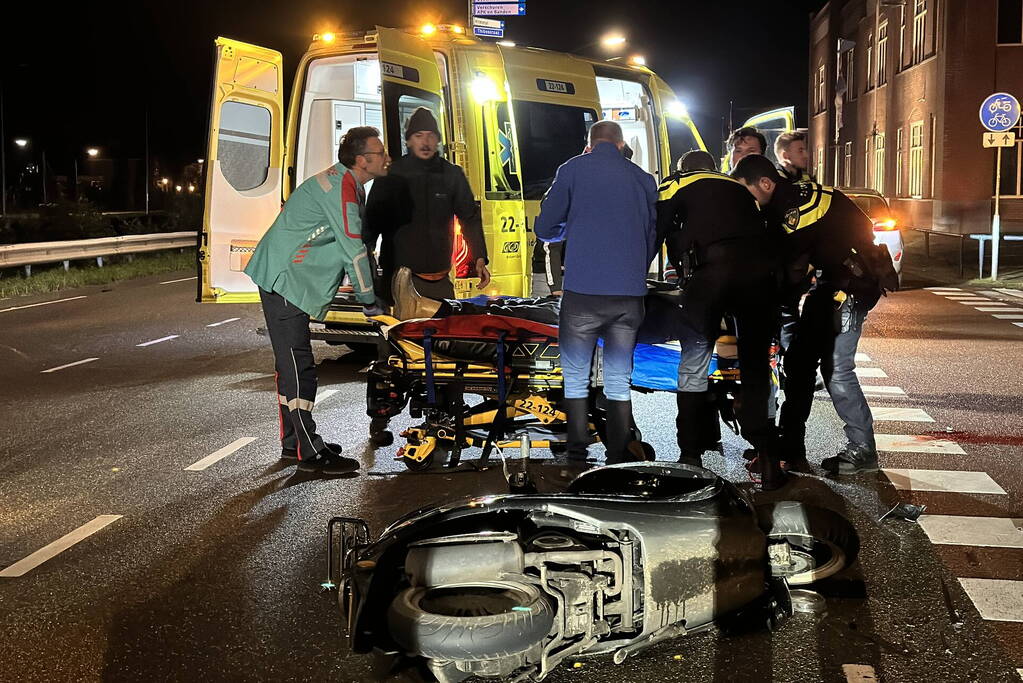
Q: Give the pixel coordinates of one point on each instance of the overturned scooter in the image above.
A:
(509, 586)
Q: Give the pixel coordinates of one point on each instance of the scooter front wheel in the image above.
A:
(807, 543)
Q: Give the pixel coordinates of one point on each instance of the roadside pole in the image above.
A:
(996, 222)
(3, 157)
(999, 113)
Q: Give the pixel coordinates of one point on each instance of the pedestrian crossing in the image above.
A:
(997, 600)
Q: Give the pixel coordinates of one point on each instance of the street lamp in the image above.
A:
(177, 188)
(613, 40)
(92, 152)
(191, 188)
(21, 142)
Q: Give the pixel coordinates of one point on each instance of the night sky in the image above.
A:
(83, 75)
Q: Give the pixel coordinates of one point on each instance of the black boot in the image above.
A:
(619, 433)
(694, 426)
(578, 428)
(765, 464)
(793, 451)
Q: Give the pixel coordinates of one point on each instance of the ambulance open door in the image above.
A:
(677, 127)
(243, 167)
(771, 123)
(410, 78)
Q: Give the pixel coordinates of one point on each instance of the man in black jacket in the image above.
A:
(437, 192)
(827, 234)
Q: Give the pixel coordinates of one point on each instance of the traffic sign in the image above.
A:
(999, 139)
(999, 112)
(487, 32)
(498, 9)
(487, 23)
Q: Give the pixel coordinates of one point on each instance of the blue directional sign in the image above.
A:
(487, 32)
(496, 8)
(1000, 112)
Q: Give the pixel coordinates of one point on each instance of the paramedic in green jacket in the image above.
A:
(298, 266)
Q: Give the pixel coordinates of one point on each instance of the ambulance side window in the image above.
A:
(680, 140)
(502, 174)
(243, 144)
(548, 135)
(399, 103)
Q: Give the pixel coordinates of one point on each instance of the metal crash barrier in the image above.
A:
(32, 253)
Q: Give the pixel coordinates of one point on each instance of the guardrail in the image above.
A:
(927, 232)
(32, 253)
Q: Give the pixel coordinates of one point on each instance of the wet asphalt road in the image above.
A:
(214, 574)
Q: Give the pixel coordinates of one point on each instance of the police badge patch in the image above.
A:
(792, 219)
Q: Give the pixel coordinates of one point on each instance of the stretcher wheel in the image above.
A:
(418, 465)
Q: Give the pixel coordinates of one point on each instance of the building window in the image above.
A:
(847, 171)
(820, 96)
(870, 63)
(901, 60)
(879, 162)
(898, 162)
(850, 72)
(866, 162)
(1010, 22)
(916, 159)
(882, 54)
(1010, 186)
(919, 30)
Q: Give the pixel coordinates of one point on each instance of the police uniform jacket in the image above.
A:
(315, 240)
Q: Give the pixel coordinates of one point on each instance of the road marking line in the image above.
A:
(859, 673)
(223, 322)
(900, 414)
(946, 481)
(988, 292)
(41, 303)
(996, 599)
(878, 389)
(218, 455)
(862, 358)
(970, 302)
(916, 443)
(157, 341)
(27, 564)
(992, 309)
(1018, 324)
(1020, 672)
(1008, 316)
(870, 372)
(324, 394)
(1012, 292)
(69, 365)
(943, 289)
(184, 279)
(987, 532)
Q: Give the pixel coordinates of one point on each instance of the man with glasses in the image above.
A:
(298, 265)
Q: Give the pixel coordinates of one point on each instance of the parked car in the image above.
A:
(886, 228)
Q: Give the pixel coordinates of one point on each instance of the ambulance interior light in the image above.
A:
(678, 110)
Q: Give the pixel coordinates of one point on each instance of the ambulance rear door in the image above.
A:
(243, 167)
(677, 128)
(554, 102)
(410, 78)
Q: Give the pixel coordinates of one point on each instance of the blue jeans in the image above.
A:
(826, 336)
(585, 318)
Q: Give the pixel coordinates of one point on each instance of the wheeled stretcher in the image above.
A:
(513, 364)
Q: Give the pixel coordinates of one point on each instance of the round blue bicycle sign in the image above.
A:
(1000, 112)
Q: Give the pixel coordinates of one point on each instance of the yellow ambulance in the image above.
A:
(509, 116)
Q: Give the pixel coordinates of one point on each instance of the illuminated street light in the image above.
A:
(200, 161)
(613, 40)
(164, 182)
(177, 188)
(21, 142)
(92, 152)
(191, 188)
(506, 43)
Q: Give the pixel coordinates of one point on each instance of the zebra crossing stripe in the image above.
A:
(987, 532)
(900, 414)
(1008, 316)
(878, 389)
(946, 481)
(943, 289)
(1012, 292)
(916, 443)
(871, 372)
(862, 357)
(995, 309)
(996, 599)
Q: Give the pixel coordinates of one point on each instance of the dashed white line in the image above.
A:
(996, 599)
(27, 564)
(993, 309)
(69, 365)
(42, 303)
(878, 389)
(157, 341)
(220, 454)
(900, 414)
(971, 302)
(324, 394)
(987, 532)
(1008, 316)
(1018, 324)
(946, 481)
(943, 289)
(862, 358)
(184, 279)
(870, 372)
(916, 443)
(223, 322)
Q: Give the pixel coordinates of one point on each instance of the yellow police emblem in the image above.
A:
(792, 218)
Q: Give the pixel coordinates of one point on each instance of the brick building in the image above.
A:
(895, 90)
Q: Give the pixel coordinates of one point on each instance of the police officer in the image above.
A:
(793, 159)
(827, 233)
(716, 236)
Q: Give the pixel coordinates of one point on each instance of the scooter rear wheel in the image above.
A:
(822, 542)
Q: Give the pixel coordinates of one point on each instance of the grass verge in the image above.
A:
(53, 278)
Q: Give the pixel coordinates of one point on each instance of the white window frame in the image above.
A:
(882, 53)
(870, 63)
(919, 31)
(898, 161)
(848, 164)
(820, 94)
(879, 163)
(866, 161)
(916, 159)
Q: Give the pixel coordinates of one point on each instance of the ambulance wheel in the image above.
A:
(418, 465)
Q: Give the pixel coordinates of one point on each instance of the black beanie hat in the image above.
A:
(421, 119)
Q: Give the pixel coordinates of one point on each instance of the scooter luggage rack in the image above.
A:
(353, 536)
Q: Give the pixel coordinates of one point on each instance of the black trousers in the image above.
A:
(294, 372)
(732, 281)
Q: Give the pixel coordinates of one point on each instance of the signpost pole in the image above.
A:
(996, 223)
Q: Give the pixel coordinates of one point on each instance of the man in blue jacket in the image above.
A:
(603, 206)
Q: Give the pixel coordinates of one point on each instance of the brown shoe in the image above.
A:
(408, 303)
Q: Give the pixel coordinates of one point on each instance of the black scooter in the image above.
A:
(509, 586)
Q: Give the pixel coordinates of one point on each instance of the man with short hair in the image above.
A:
(602, 205)
(827, 233)
(793, 158)
(744, 141)
(298, 265)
